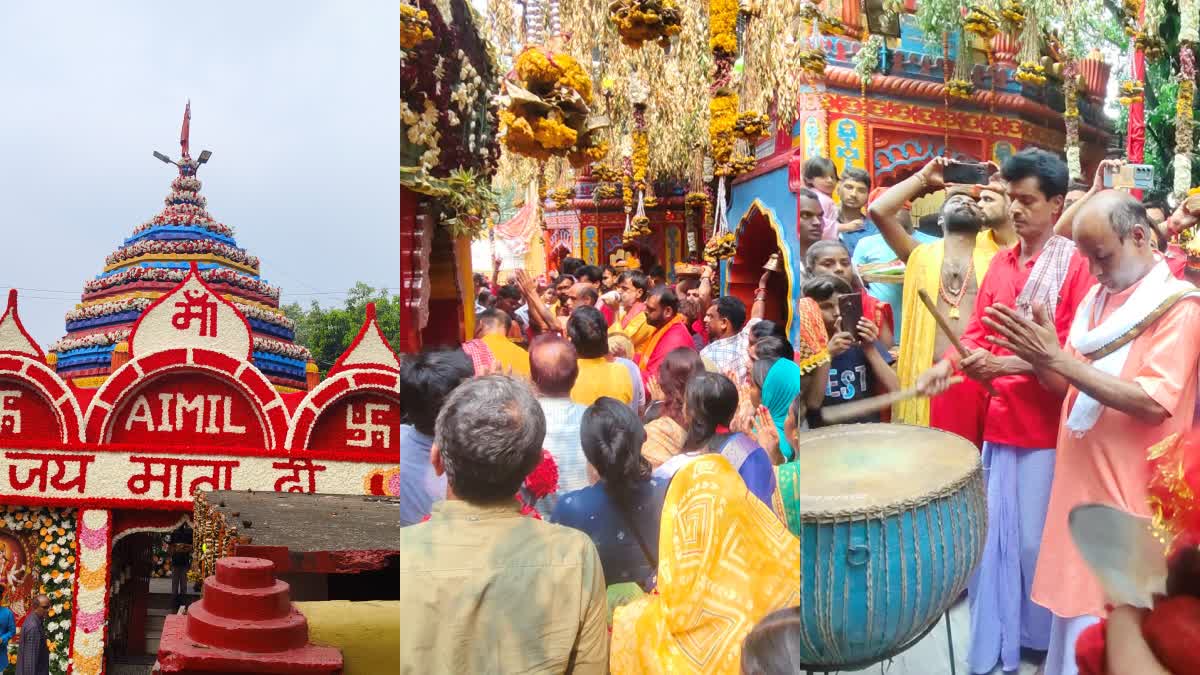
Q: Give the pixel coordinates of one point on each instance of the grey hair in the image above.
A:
(1127, 213)
(489, 435)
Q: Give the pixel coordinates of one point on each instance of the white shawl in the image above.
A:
(1153, 290)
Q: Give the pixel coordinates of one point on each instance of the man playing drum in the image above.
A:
(1022, 419)
(1129, 372)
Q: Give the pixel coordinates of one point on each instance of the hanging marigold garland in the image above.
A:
(415, 26)
(641, 21)
(961, 86)
(1030, 69)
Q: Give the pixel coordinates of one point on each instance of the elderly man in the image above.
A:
(1129, 372)
(484, 589)
(1021, 425)
(552, 361)
(33, 656)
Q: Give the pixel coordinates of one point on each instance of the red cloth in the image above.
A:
(675, 337)
(876, 310)
(1177, 261)
(1024, 413)
(698, 329)
(961, 410)
(609, 314)
(1089, 651)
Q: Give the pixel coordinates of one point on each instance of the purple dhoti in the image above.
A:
(1003, 616)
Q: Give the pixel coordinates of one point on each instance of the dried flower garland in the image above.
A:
(1132, 91)
(641, 21)
(547, 114)
(982, 22)
(751, 125)
(1013, 13)
(54, 567)
(1071, 117)
(562, 197)
(414, 26)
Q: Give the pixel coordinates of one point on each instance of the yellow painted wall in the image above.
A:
(368, 633)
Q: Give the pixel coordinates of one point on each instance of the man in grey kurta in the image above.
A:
(33, 657)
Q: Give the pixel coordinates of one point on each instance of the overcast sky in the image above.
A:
(297, 100)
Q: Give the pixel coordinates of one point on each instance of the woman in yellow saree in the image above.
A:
(725, 562)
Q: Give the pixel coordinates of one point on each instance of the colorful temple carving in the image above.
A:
(154, 259)
(200, 388)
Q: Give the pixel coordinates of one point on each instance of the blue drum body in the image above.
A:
(877, 573)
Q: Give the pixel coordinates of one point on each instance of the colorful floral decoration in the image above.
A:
(812, 62)
(54, 566)
(1013, 13)
(981, 21)
(211, 539)
(1030, 69)
(752, 125)
(562, 197)
(1184, 102)
(641, 21)
(1132, 91)
(184, 248)
(174, 276)
(1071, 117)
(547, 112)
(448, 118)
(722, 27)
(722, 118)
(87, 646)
(414, 26)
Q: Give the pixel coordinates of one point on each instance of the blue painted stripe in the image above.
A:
(178, 232)
(283, 361)
(106, 320)
(271, 329)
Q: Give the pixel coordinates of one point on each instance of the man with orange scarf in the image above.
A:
(670, 330)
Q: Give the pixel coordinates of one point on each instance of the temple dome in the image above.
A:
(154, 259)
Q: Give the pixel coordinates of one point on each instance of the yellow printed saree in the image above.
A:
(725, 562)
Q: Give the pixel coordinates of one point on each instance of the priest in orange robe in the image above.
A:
(670, 330)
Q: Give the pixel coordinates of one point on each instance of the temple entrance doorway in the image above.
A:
(757, 242)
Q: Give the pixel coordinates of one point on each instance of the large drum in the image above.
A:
(892, 522)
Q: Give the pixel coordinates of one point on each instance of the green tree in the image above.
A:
(328, 332)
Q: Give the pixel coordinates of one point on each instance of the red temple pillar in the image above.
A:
(244, 622)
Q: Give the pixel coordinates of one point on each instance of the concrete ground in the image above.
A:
(931, 655)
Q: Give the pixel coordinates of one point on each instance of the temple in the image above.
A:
(153, 260)
(178, 377)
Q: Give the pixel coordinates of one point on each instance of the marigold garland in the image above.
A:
(415, 27)
(1013, 13)
(1031, 72)
(722, 26)
(963, 89)
(723, 116)
(553, 125)
(982, 22)
(641, 21)
(752, 125)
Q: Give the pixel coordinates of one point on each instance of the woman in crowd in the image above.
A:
(786, 500)
(773, 646)
(760, 330)
(621, 510)
(710, 404)
(776, 386)
(665, 432)
(713, 587)
(832, 257)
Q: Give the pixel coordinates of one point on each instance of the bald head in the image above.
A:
(553, 365)
(1113, 232)
(582, 295)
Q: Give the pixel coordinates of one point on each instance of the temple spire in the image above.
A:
(183, 134)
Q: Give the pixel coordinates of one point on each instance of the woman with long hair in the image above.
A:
(772, 648)
(620, 511)
(726, 562)
(664, 426)
(709, 406)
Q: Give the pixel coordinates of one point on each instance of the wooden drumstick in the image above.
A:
(944, 324)
(850, 411)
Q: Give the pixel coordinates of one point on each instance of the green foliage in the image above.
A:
(464, 197)
(328, 332)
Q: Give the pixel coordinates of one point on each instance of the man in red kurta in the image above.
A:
(1021, 427)
(670, 330)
